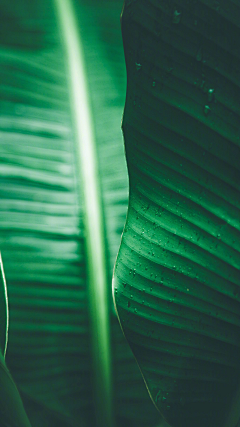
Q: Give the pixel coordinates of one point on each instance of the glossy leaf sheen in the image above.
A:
(176, 280)
(42, 235)
(12, 412)
(4, 316)
(93, 214)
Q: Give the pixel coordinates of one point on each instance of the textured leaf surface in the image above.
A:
(4, 318)
(12, 412)
(41, 240)
(41, 229)
(177, 273)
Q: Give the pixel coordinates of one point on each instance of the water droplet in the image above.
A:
(135, 310)
(153, 83)
(210, 95)
(206, 110)
(131, 296)
(176, 17)
(138, 66)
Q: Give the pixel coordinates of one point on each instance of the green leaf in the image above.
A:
(93, 215)
(177, 273)
(4, 315)
(43, 236)
(11, 408)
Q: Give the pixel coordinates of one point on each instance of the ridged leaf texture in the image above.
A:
(176, 280)
(42, 237)
(4, 316)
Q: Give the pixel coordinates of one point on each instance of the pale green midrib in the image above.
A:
(6, 300)
(96, 262)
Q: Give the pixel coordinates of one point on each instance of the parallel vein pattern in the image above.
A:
(177, 278)
(41, 228)
(41, 237)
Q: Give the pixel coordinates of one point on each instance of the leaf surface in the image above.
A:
(42, 234)
(4, 319)
(176, 280)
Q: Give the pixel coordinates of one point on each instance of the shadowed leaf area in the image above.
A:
(42, 237)
(177, 276)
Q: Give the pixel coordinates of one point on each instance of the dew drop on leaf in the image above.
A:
(210, 95)
(138, 66)
(176, 17)
(206, 110)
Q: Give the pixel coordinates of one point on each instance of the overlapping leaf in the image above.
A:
(177, 274)
(42, 237)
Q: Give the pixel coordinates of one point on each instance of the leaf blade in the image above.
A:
(160, 274)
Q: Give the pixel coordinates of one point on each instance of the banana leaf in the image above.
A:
(43, 237)
(177, 275)
(4, 315)
(12, 412)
